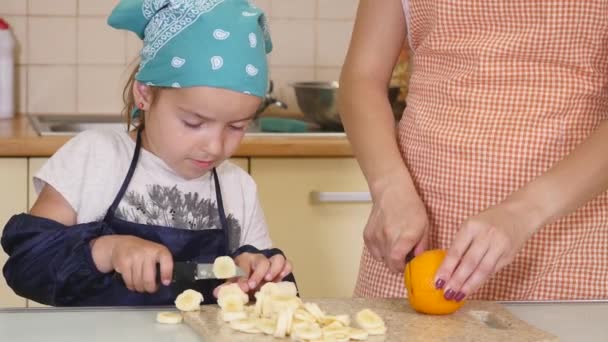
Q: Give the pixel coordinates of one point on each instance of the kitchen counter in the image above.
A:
(19, 139)
(570, 321)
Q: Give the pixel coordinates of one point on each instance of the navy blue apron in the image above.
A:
(185, 245)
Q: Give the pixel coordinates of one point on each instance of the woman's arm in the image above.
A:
(398, 221)
(490, 240)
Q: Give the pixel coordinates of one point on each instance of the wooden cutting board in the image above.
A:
(475, 321)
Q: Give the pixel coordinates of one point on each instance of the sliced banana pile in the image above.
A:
(280, 313)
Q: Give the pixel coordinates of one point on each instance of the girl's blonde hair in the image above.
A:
(129, 100)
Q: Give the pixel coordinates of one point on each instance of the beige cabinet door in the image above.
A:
(316, 211)
(34, 164)
(14, 187)
(243, 163)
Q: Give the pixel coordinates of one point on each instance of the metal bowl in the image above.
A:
(318, 101)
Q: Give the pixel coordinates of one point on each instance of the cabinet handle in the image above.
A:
(333, 197)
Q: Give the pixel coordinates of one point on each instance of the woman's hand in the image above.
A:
(397, 225)
(485, 243)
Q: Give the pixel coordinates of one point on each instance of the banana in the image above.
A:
(259, 303)
(266, 325)
(341, 319)
(367, 319)
(334, 324)
(224, 267)
(381, 330)
(167, 317)
(243, 324)
(307, 332)
(280, 302)
(233, 316)
(269, 288)
(231, 303)
(234, 289)
(189, 300)
(287, 288)
(314, 310)
(335, 331)
(303, 315)
(357, 334)
(282, 323)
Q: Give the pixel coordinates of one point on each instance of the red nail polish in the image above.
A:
(449, 294)
(439, 283)
(459, 296)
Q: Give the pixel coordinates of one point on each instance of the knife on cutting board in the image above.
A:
(188, 272)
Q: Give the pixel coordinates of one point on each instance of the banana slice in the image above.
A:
(286, 288)
(303, 315)
(266, 325)
(231, 303)
(259, 303)
(243, 324)
(269, 289)
(314, 310)
(233, 289)
(381, 330)
(307, 332)
(357, 334)
(367, 319)
(281, 328)
(280, 302)
(233, 316)
(224, 267)
(189, 300)
(334, 331)
(334, 324)
(167, 317)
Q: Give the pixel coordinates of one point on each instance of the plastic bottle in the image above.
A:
(7, 71)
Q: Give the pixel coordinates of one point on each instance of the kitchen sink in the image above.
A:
(58, 124)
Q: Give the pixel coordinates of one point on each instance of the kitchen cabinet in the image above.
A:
(316, 211)
(13, 200)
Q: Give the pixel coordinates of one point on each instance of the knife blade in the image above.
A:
(188, 272)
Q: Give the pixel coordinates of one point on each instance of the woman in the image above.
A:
(501, 156)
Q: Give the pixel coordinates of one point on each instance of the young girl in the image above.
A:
(120, 203)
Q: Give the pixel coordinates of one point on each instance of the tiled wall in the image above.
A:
(70, 61)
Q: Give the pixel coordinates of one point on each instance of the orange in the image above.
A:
(419, 279)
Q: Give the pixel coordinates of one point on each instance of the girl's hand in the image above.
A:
(397, 224)
(484, 244)
(260, 270)
(135, 259)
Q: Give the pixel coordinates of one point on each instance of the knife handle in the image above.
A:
(183, 272)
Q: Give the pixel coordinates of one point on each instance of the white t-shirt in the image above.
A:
(90, 168)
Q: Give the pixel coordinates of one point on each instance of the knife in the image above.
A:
(189, 272)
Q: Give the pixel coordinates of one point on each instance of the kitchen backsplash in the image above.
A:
(71, 61)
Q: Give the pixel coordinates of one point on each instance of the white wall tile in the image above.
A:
(13, 7)
(333, 38)
(337, 9)
(51, 89)
(105, 96)
(328, 74)
(51, 40)
(99, 43)
(264, 5)
(21, 87)
(51, 7)
(293, 43)
(96, 7)
(300, 9)
(283, 76)
(134, 45)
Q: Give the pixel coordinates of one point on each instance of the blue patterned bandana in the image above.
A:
(187, 43)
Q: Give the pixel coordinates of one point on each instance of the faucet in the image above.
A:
(270, 100)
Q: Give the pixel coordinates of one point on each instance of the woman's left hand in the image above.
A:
(485, 243)
(260, 270)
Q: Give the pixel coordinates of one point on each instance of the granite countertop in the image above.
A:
(19, 139)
